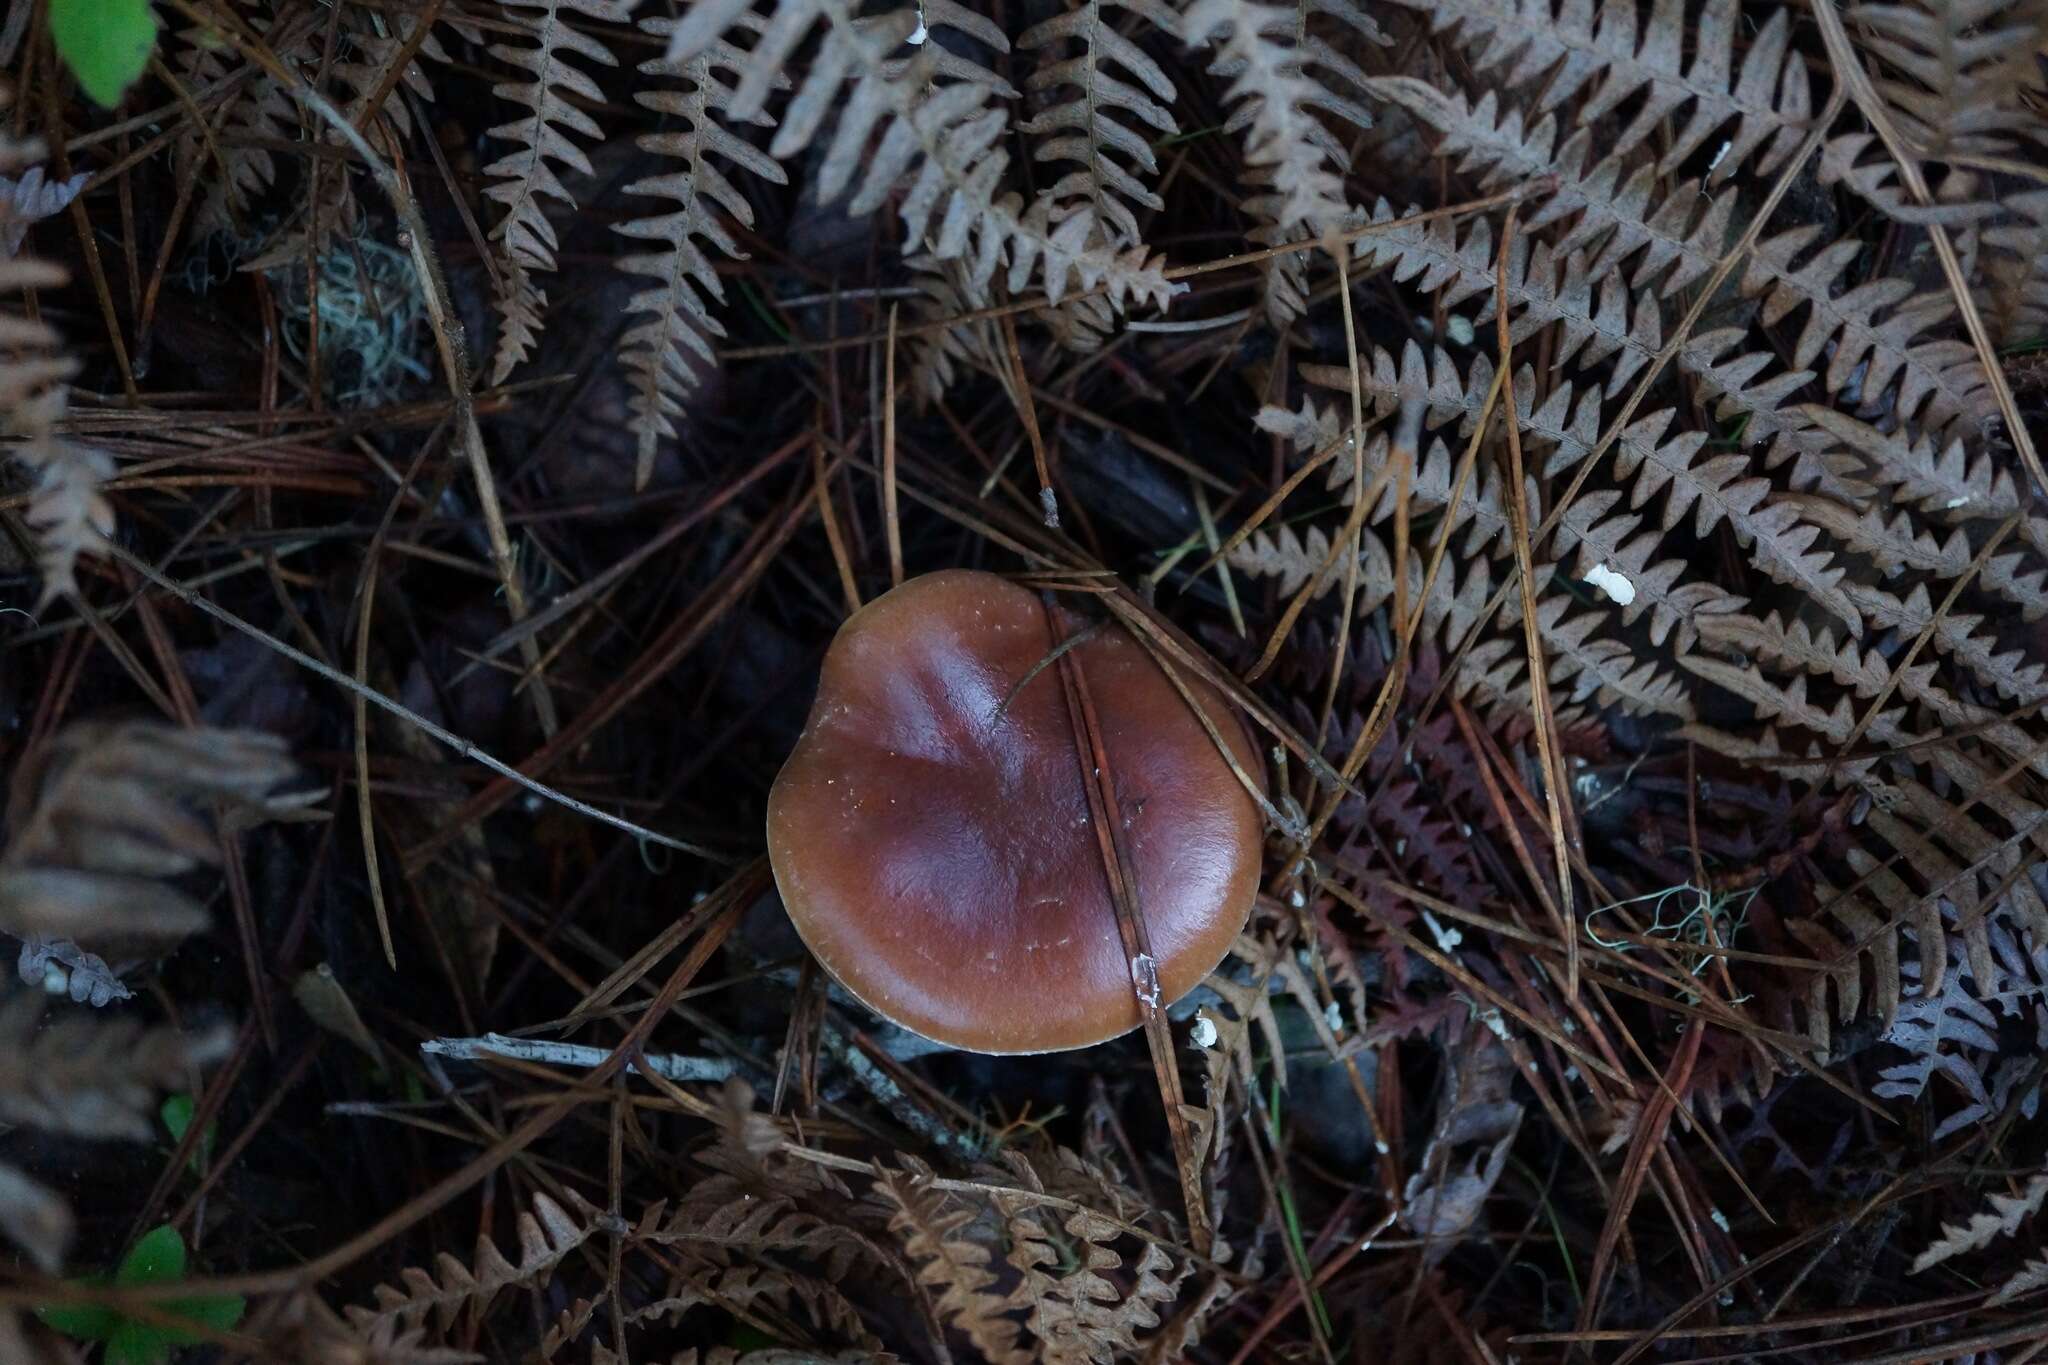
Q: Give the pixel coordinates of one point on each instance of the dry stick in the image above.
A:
(1137, 438)
(678, 638)
(444, 1192)
(449, 337)
(394, 70)
(366, 588)
(821, 479)
(378, 699)
(1543, 185)
(1353, 534)
(1020, 393)
(1448, 965)
(591, 587)
(1382, 712)
(890, 521)
(1708, 291)
(1652, 1124)
(1098, 778)
(1540, 705)
(1852, 78)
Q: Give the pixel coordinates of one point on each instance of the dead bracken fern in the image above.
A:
(665, 351)
(66, 510)
(525, 179)
(546, 1234)
(1593, 443)
(101, 816)
(98, 819)
(939, 128)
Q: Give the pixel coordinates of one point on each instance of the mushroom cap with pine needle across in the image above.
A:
(931, 834)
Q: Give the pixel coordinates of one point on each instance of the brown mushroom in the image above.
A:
(934, 846)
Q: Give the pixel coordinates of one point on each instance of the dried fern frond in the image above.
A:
(1939, 382)
(1282, 76)
(302, 1328)
(1948, 481)
(1722, 487)
(257, 112)
(92, 1076)
(1084, 129)
(1615, 53)
(1617, 206)
(932, 121)
(66, 509)
(1955, 634)
(1582, 653)
(1952, 70)
(1870, 332)
(103, 813)
(1080, 1315)
(88, 1077)
(1279, 77)
(2015, 266)
(374, 41)
(546, 1234)
(2027, 1279)
(664, 350)
(940, 356)
(525, 178)
(929, 1225)
(1483, 508)
(1600, 319)
(1607, 541)
(1941, 1027)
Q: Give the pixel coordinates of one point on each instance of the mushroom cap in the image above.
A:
(935, 849)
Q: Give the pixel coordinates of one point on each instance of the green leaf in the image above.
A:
(177, 1116)
(83, 1321)
(220, 1314)
(106, 43)
(159, 1256)
(136, 1343)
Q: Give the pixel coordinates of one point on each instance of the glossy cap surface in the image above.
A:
(936, 851)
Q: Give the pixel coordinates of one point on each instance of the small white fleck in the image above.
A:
(1380, 1145)
(1296, 899)
(1465, 830)
(1460, 329)
(1047, 503)
(56, 980)
(1616, 585)
(1204, 1032)
(1334, 1017)
(1726, 147)
(1447, 936)
(1720, 1219)
(1401, 847)
(1571, 1073)
(1954, 503)
(917, 39)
